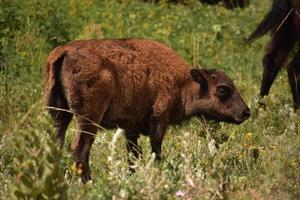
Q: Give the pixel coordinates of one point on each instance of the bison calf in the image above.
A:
(139, 85)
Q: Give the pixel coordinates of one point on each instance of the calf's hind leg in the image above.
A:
(61, 125)
(86, 131)
(61, 119)
(90, 112)
(81, 146)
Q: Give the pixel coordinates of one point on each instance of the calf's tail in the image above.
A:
(54, 94)
(272, 20)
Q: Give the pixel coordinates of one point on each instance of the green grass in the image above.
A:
(259, 159)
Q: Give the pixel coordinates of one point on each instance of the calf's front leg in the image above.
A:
(157, 133)
(132, 147)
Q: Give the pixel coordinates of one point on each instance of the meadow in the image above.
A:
(259, 159)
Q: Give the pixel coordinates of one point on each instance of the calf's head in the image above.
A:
(217, 97)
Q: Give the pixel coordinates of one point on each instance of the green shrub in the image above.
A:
(37, 165)
(28, 31)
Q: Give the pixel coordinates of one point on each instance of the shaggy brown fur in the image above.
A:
(139, 85)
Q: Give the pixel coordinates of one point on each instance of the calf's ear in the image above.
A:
(199, 77)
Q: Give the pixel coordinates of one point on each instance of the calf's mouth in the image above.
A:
(233, 119)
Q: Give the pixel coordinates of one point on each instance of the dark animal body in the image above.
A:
(139, 85)
(283, 22)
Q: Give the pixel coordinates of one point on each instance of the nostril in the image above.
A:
(246, 114)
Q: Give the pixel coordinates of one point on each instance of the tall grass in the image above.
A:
(259, 159)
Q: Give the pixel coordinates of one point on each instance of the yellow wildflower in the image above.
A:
(273, 147)
(73, 168)
(294, 163)
(262, 149)
(79, 169)
(248, 136)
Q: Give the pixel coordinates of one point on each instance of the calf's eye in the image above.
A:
(223, 92)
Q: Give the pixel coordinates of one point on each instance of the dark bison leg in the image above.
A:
(239, 3)
(235, 3)
(293, 70)
(228, 4)
(90, 106)
(81, 146)
(159, 121)
(277, 52)
(242, 3)
(87, 126)
(210, 1)
(61, 120)
(157, 133)
(61, 126)
(86, 131)
(132, 146)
